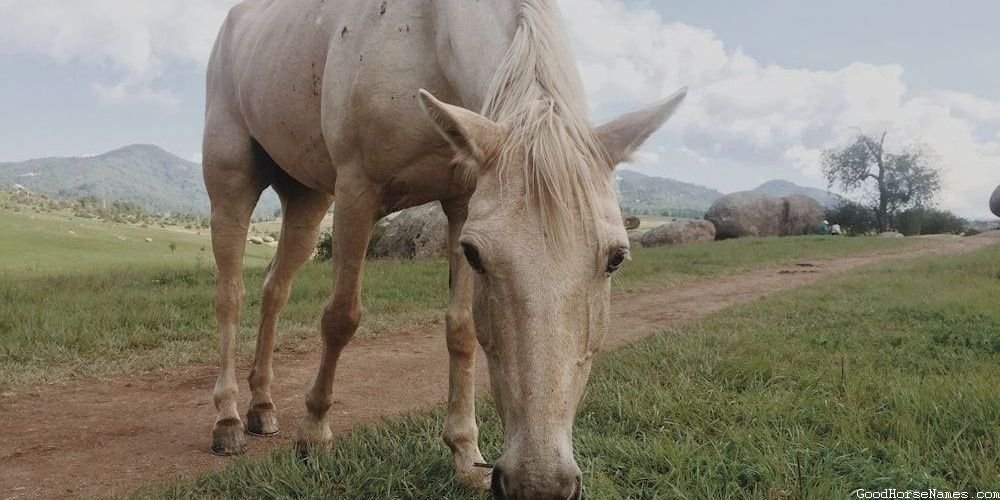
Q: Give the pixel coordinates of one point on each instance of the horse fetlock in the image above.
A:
(228, 437)
(262, 419)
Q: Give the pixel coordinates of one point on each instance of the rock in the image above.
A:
(995, 202)
(415, 233)
(890, 234)
(750, 213)
(676, 233)
(802, 215)
(267, 238)
(634, 238)
(744, 214)
(631, 222)
(256, 240)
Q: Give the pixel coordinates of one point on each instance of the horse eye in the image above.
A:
(616, 260)
(472, 255)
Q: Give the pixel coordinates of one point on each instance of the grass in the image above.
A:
(884, 378)
(88, 303)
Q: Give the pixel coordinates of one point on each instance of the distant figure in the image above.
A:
(835, 230)
(824, 228)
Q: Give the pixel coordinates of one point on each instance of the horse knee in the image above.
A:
(460, 330)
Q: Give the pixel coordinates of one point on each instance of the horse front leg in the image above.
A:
(461, 433)
(354, 216)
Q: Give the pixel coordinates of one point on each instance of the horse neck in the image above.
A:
(473, 39)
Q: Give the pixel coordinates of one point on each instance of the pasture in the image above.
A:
(89, 303)
(882, 378)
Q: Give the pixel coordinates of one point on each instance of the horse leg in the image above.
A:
(234, 183)
(302, 213)
(461, 433)
(353, 219)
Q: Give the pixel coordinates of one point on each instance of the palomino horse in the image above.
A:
(320, 100)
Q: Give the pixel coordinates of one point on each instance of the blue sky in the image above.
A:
(773, 82)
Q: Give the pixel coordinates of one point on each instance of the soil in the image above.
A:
(98, 438)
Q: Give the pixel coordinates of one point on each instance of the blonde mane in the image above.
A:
(538, 93)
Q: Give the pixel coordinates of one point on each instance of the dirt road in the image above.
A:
(111, 437)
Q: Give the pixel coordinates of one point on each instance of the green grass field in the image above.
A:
(884, 378)
(89, 303)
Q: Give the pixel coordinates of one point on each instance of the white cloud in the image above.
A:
(135, 41)
(742, 112)
(753, 120)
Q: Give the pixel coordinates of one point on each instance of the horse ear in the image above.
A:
(623, 135)
(470, 134)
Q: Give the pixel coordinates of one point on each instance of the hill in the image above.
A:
(641, 193)
(142, 174)
(779, 188)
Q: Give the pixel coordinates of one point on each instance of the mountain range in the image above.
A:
(144, 174)
(163, 183)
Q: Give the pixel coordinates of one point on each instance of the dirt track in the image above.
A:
(111, 437)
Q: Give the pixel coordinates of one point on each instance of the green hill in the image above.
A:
(142, 174)
(641, 193)
(779, 188)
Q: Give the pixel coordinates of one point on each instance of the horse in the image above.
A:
(385, 105)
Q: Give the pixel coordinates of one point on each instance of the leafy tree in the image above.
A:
(900, 180)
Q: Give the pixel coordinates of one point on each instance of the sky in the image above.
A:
(772, 83)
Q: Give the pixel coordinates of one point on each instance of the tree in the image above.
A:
(901, 180)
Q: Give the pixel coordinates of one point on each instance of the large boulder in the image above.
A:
(415, 233)
(744, 214)
(802, 215)
(676, 233)
(995, 202)
(634, 237)
(631, 222)
(751, 213)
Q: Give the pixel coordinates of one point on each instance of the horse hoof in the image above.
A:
(312, 435)
(262, 420)
(228, 438)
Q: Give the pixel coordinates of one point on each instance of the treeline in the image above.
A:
(857, 219)
(680, 213)
(91, 207)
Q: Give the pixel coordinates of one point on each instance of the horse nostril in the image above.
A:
(575, 491)
(580, 494)
(497, 486)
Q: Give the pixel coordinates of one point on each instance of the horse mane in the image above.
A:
(537, 91)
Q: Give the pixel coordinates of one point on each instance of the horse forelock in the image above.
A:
(537, 92)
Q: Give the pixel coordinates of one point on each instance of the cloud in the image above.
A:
(744, 121)
(134, 41)
(769, 118)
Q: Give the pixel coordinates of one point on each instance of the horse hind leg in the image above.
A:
(234, 180)
(302, 214)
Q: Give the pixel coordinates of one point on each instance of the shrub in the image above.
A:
(929, 221)
(324, 247)
(854, 218)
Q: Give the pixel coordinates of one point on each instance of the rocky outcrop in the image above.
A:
(676, 233)
(754, 214)
(415, 233)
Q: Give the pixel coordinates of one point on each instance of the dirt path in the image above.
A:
(111, 437)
